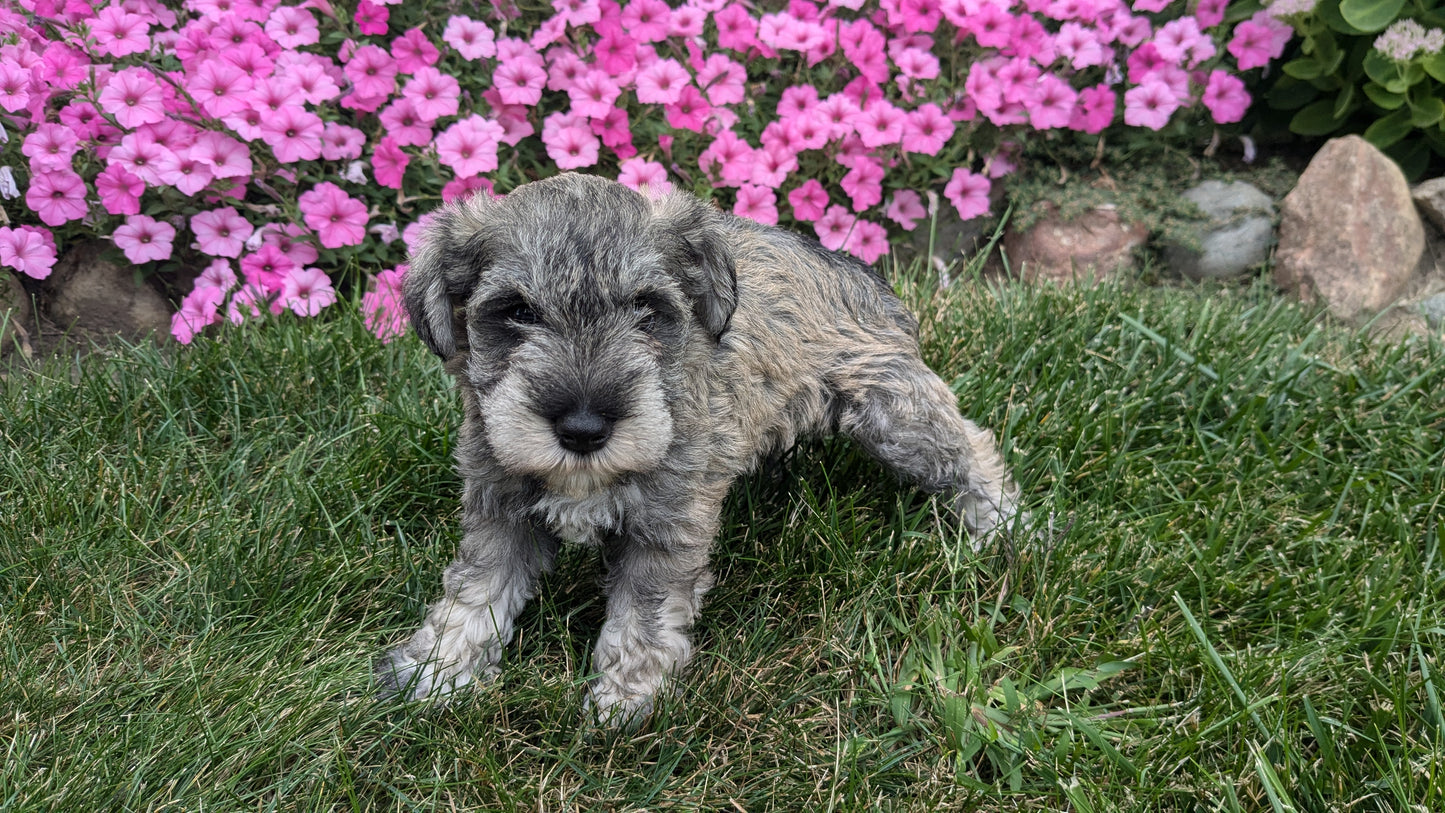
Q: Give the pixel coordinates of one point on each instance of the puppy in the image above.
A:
(621, 362)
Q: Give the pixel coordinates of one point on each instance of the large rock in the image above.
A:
(98, 296)
(1349, 234)
(1093, 246)
(14, 310)
(1235, 235)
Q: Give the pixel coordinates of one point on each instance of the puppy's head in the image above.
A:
(574, 301)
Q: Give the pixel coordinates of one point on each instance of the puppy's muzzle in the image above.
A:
(582, 430)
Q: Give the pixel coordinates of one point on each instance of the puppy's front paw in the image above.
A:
(399, 674)
(608, 706)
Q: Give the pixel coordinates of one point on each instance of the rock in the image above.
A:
(1235, 237)
(1429, 197)
(15, 311)
(1433, 309)
(1349, 233)
(1093, 246)
(95, 295)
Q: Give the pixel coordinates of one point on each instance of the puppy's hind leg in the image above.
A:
(906, 417)
(494, 575)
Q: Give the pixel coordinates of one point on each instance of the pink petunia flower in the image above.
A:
(293, 133)
(864, 183)
(306, 291)
(266, 268)
(413, 51)
(472, 39)
(469, 146)
(879, 124)
(1225, 97)
(228, 157)
(50, 147)
(186, 172)
(372, 72)
(834, 227)
(27, 249)
(1095, 109)
(520, 81)
(293, 27)
(1150, 104)
(403, 124)
(57, 197)
(119, 190)
(220, 232)
(809, 201)
(14, 86)
(133, 97)
(926, 130)
(221, 88)
(731, 156)
(199, 309)
(593, 94)
(119, 33)
(1052, 104)
(646, 20)
(868, 241)
(341, 142)
(737, 29)
(219, 274)
(371, 18)
(388, 163)
(906, 209)
(648, 177)
(144, 239)
(690, 112)
(662, 82)
(968, 193)
(337, 218)
(1257, 41)
(382, 308)
(572, 146)
(758, 203)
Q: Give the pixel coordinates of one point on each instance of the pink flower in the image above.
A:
(1053, 103)
(906, 209)
(834, 227)
(809, 201)
(266, 268)
(736, 28)
(388, 163)
(1150, 5)
(864, 183)
(413, 51)
(340, 142)
(1210, 13)
(248, 303)
(199, 309)
(290, 239)
(50, 147)
(14, 86)
(27, 249)
(722, 80)
(371, 18)
(646, 20)
(1095, 109)
(306, 291)
(119, 33)
(384, 313)
(616, 53)
(926, 130)
(1255, 43)
(572, 146)
(433, 93)
(1150, 104)
(469, 146)
(187, 173)
(219, 275)
(228, 157)
(968, 193)
(520, 81)
(471, 39)
(662, 82)
(648, 177)
(57, 197)
(294, 134)
(757, 203)
(337, 218)
(372, 72)
(879, 124)
(134, 97)
(119, 190)
(690, 112)
(292, 27)
(219, 87)
(403, 124)
(593, 94)
(221, 232)
(868, 241)
(144, 239)
(1225, 97)
(732, 156)
(1181, 42)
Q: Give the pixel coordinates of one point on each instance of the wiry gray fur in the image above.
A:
(621, 362)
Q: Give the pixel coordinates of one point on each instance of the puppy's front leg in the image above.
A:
(654, 590)
(494, 575)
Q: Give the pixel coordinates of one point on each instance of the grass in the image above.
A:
(203, 549)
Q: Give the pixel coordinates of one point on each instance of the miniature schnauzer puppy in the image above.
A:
(621, 361)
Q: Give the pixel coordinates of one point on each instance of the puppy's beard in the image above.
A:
(525, 443)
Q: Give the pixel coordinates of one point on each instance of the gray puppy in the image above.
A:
(621, 362)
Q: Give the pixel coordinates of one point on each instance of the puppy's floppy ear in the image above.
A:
(449, 258)
(693, 240)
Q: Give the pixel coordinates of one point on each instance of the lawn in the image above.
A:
(203, 549)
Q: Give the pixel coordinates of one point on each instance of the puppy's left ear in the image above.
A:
(449, 259)
(693, 239)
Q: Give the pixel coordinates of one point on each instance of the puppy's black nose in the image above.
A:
(582, 430)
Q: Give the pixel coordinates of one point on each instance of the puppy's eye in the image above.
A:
(523, 314)
(646, 315)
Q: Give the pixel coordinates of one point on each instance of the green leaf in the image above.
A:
(1290, 94)
(1346, 103)
(1316, 119)
(1384, 98)
(1329, 11)
(1434, 64)
(1370, 15)
(1302, 68)
(1427, 111)
(1391, 128)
